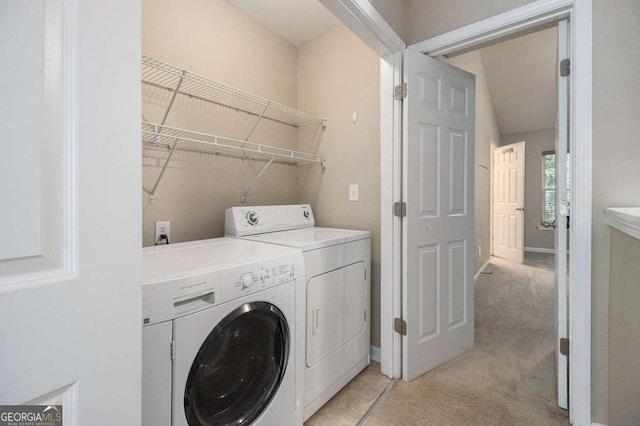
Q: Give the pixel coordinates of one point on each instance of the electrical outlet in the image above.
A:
(479, 250)
(353, 192)
(163, 228)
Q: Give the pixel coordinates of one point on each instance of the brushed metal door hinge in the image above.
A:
(564, 207)
(564, 346)
(400, 209)
(400, 92)
(400, 326)
(172, 349)
(565, 67)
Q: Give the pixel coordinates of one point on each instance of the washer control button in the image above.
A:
(247, 281)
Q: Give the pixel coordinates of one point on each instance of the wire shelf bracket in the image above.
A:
(243, 197)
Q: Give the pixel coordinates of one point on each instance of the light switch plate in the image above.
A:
(353, 192)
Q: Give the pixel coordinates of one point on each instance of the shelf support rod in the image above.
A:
(173, 98)
(243, 197)
(152, 194)
(266, 107)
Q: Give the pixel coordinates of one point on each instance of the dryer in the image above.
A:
(219, 334)
(334, 300)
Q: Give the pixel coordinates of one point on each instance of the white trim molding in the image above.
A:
(477, 275)
(374, 353)
(391, 225)
(624, 219)
(498, 27)
(539, 250)
(521, 20)
(581, 131)
(364, 20)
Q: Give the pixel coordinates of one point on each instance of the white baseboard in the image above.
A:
(375, 353)
(539, 250)
(542, 250)
(477, 275)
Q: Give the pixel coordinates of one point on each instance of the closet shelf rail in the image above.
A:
(161, 75)
(188, 140)
(172, 139)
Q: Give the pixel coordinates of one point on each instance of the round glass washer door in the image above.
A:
(239, 367)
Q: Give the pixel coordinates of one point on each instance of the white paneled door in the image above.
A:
(70, 313)
(508, 202)
(438, 179)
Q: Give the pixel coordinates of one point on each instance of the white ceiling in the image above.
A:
(293, 20)
(522, 82)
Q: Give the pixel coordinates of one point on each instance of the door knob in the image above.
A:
(521, 209)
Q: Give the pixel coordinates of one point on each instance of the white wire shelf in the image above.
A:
(187, 140)
(162, 75)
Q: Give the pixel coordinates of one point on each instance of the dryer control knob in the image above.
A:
(252, 218)
(306, 214)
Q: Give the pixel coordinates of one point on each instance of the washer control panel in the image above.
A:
(179, 296)
(253, 220)
(253, 278)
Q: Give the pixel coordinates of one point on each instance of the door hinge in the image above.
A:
(400, 326)
(172, 349)
(564, 207)
(400, 92)
(365, 315)
(365, 274)
(400, 209)
(564, 346)
(565, 67)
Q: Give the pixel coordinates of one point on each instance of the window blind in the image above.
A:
(548, 210)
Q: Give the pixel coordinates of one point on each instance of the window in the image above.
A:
(548, 211)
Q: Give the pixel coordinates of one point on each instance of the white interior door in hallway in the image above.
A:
(508, 202)
(438, 187)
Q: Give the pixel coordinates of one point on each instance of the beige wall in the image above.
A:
(339, 75)
(535, 143)
(616, 154)
(213, 38)
(624, 333)
(428, 18)
(332, 76)
(486, 130)
(393, 11)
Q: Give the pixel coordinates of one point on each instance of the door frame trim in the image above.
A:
(518, 21)
(367, 23)
(521, 20)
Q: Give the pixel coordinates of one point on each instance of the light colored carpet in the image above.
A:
(509, 376)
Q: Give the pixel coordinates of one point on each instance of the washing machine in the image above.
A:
(333, 304)
(219, 342)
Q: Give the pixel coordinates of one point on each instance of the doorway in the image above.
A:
(517, 21)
